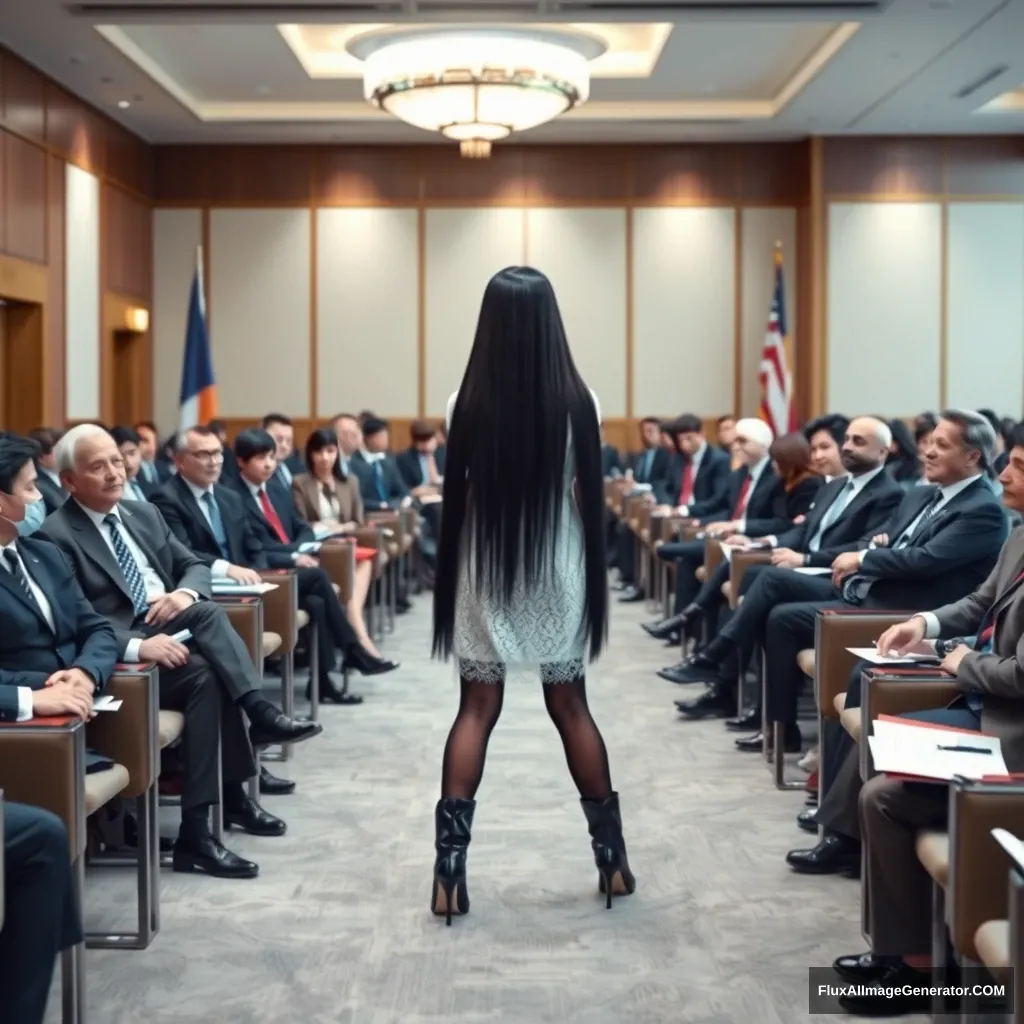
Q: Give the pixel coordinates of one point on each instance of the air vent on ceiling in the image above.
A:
(980, 83)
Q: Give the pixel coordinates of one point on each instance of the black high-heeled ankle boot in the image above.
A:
(453, 821)
(605, 825)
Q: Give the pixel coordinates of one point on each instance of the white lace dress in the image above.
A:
(543, 628)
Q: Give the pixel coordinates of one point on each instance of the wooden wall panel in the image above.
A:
(25, 199)
(602, 176)
(3, 190)
(55, 386)
(683, 175)
(128, 244)
(75, 129)
(260, 174)
(985, 166)
(128, 160)
(900, 168)
(350, 176)
(24, 93)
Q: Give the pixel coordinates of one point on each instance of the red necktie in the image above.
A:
(686, 491)
(272, 517)
(741, 501)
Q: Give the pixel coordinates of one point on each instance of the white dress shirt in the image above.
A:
(308, 548)
(133, 492)
(219, 569)
(25, 692)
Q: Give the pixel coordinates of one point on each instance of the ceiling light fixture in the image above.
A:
(476, 85)
(124, 104)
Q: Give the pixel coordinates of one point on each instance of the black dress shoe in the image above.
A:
(666, 628)
(903, 990)
(792, 744)
(328, 693)
(271, 785)
(808, 821)
(631, 595)
(251, 818)
(694, 669)
(862, 967)
(750, 722)
(834, 855)
(212, 858)
(367, 664)
(274, 726)
(715, 703)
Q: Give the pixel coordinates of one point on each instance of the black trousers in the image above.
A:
(625, 552)
(333, 630)
(689, 557)
(206, 690)
(41, 913)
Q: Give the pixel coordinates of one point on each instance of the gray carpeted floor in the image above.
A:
(336, 930)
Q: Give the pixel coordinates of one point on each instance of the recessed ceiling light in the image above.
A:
(124, 104)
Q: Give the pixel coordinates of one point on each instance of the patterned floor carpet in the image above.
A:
(336, 930)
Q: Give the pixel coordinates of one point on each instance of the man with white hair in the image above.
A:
(750, 492)
(151, 588)
(939, 543)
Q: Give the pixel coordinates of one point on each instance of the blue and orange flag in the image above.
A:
(197, 403)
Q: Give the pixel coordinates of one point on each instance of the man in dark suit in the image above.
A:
(417, 465)
(47, 479)
(225, 529)
(940, 541)
(380, 481)
(150, 587)
(289, 461)
(135, 487)
(152, 469)
(747, 492)
(700, 471)
(982, 648)
(611, 463)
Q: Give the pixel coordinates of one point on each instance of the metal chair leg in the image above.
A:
(73, 996)
(393, 596)
(940, 967)
(314, 673)
(779, 758)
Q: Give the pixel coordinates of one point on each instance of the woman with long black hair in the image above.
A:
(521, 580)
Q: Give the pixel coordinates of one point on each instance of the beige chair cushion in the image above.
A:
(701, 574)
(805, 662)
(271, 642)
(850, 721)
(102, 787)
(301, 619)
(727, 590)
(993, 942)
(933, 853)
(839, 702)
(170, 726)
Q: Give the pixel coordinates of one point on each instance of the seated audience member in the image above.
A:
(48, 480)
(229, 469)
(725, 433)
(150, 587)
(791, 457)
(886, 813)
(135, 488)
(938, 543)
(826, 435)
(324, 494)
(41, 913)
(418, 465)
(289, 462)
(611, 463)
(153, 469)
(380, 481)
(288, 541)
(749, 491)
(1002, 444)
(699, 471)
(924, 424)
(650, 469)
(349, 432)
(903, 463)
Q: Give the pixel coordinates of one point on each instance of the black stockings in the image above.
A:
(479, 709)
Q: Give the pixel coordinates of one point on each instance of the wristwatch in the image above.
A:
(944, 647)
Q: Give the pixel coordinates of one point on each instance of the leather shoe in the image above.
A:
(631, 595)
(274, 726)
(902, 990)
(665, 629)
(271, 785)
(808, 821)
(694, 669)
(251, 818)
(714, 703)
(212, 858)
(749, 722)
(834, 855)
(792, 743)
(367, 664)
(862, 967)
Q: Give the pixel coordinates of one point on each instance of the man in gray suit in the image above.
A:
(150, 587)
(983, 647)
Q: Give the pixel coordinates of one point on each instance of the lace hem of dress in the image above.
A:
(551, 672)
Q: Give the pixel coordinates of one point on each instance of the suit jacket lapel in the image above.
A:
(829, 493)
(94, 546)
(1012, 583)
(191, 506)
(9, 583)
(919, 505)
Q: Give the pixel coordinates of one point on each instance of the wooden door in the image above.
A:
(21, 366)
(131, 381)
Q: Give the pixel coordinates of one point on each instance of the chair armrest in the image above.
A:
(246, 617)
(339, 561)
(712, 556)
(976, 892)
(741, 561)
(895, 691)
(131, 735)
(2, 859)
(835, 630)
(42, 763)
(281, 607)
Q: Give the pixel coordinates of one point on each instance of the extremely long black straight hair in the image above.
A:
(505, 471)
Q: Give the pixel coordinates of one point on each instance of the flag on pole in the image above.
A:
(198, 396)
(776, 380)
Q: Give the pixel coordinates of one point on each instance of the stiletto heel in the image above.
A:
(604, 822)
(453, 822)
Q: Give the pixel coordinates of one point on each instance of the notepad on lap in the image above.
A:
(928, 752)
(871, 654)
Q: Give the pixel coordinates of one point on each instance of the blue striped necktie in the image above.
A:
(127, 564)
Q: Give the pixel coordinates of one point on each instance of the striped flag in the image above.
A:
(776, 380)
(198, 396)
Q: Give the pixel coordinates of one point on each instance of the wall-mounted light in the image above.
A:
(124, 104)
(137, 319)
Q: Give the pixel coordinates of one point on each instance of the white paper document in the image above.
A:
(106, 703)
(813, 570)
(920, 749)
(872, 654)
(1011, 844)
(727, 550)
(231, 587)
